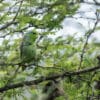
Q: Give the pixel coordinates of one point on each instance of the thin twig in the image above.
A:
(89, 33)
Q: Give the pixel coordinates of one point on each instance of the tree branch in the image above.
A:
(42, 79)
(13, 20)
(88, 33)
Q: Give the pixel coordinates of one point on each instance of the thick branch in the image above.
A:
(42, 79)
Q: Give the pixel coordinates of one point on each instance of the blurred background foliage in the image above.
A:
(55, 55)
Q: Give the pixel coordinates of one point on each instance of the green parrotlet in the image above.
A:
(28, 48)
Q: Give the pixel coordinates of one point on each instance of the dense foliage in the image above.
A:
(66, 67)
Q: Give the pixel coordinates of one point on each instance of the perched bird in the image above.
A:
(28, 48)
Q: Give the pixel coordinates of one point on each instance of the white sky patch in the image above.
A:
(86, 7)
(68, 30)
(96, 35)
(89, 15)
(73, 23)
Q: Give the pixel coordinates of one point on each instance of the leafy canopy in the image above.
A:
(54, 55)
